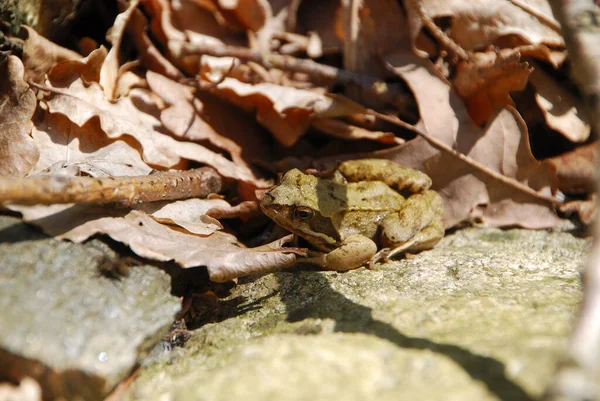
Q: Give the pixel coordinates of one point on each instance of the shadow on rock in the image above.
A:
(311, 296)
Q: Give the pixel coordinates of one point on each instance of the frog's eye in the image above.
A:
(304, 213)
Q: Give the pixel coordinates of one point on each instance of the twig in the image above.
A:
(313, 69)
(124, 191)
(466, 159)
(444, 39)
(544, 19)
(576, 377)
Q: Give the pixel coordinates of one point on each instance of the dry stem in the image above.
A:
(473, 163)
(313, 69)
(577, 376)
(124, 191)
(444, 39)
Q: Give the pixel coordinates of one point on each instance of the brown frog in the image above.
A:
(367, 205)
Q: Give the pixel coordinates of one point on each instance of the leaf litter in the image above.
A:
(249, 87)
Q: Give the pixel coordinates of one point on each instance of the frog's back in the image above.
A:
(373, 196)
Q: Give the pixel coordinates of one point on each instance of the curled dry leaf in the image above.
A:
(585, 209)
(181, 116)
(248, 14)
(87, 67)
(287, 112)
(344, 130)
(134, 116)
(476, 25)
(109, 73)
(562, 111)
(242, 210)
(68, 149)
(576, 170)
(224, 257)
(180, 21)
(27, 390)
(18, 151)
(486, 80)
(149, 55)
(40, 55)
(190, 214)
(503, 146)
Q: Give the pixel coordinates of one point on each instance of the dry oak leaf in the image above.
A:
(27, 390)
(175, 22)
(109, 73)
(128, 116)
(576, 170)
(502, 146)
(224, 257)
(248, 14)
(18, 152)
(189, 214)
(486, 80)
(562, 111)
(41, 54)
(149, 55)
(286, 112)
(87, 67)
(478, 24)
(181, 116)
(68, 149)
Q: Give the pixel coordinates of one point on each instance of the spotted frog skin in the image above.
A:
(368, 211)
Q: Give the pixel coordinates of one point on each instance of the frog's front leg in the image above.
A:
(353, 252)
(418, 226)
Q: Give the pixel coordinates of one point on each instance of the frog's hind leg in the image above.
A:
(418, 226)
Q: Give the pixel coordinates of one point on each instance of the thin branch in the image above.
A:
(435, 30)
(544, 19)
(466, 159)
(124, 191)
(576, 377)
(313, 69)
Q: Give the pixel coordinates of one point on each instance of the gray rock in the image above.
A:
(483, 316)
(74, 330)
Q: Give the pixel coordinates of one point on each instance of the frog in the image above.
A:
(362, 213)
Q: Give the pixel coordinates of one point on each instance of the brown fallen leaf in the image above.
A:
(87, 67)
(109, 73)
(486, 80)
(243, 210)
(180, 21)
(134, 116)
(181, 116)
(287, 112)
(562, 111)
(344, 130)
(68, 149)
(576, 170)
(18, 151)
(149, 55)
(190, 214)
(27, 390)
(502, 146)
(476, 25)
(41, 54)
(224, 257)
(585, 209)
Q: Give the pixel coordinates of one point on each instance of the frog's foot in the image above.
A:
(386, 253)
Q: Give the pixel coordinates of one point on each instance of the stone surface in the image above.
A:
(74, 330)
(483, 316)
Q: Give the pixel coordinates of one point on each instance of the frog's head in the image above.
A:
(298, 203)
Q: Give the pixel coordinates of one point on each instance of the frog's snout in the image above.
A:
(267, 199)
